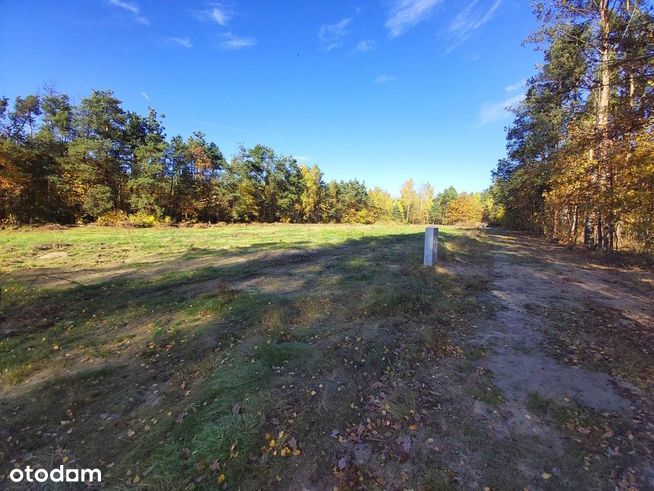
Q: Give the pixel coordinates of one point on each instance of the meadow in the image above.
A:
(321, 357)
(177, 355)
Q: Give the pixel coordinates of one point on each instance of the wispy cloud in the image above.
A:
(332, 34)
(133, 9)
(469, 20)
(516, 86)
(363, 46)
(492, 112)
(382, 79)
(405, 14)
(231, 41)
(145, 96)
(220, 15)
(215, 12)
(130, 7)
(185, 42)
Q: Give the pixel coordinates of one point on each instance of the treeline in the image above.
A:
(98, 162)
(580, 164)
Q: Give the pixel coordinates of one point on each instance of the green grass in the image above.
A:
(176, 351)
(97, 246)
(487, 392)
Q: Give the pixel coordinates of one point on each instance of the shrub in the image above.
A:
(10, 222)
(142, 219)
(112, 218)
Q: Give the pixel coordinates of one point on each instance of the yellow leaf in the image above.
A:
(221, 478)
(413, 427)
(271, 443)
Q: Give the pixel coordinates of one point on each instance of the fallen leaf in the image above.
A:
(406, 444)
(236, 408)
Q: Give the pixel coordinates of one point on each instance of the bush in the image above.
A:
(359, 216)
(112, 218)
(10, 222)
(142, 220)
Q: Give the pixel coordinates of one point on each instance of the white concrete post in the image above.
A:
(431, 246)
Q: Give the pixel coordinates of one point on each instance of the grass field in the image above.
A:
(243, 354)
(322, 357)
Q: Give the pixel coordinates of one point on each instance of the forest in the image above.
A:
(579, 167)
(580, 152)
(98, 162)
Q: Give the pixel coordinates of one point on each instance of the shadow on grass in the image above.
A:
(202, 363)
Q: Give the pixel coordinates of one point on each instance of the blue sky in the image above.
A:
(381, 90)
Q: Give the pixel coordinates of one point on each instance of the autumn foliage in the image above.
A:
(580, 165)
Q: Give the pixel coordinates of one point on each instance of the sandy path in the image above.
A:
(529, 273)
(515, 336)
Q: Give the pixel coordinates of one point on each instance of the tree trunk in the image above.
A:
(604, 92)
(573, 228)
(588, 232)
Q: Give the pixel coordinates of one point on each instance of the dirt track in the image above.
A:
(537, 286)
